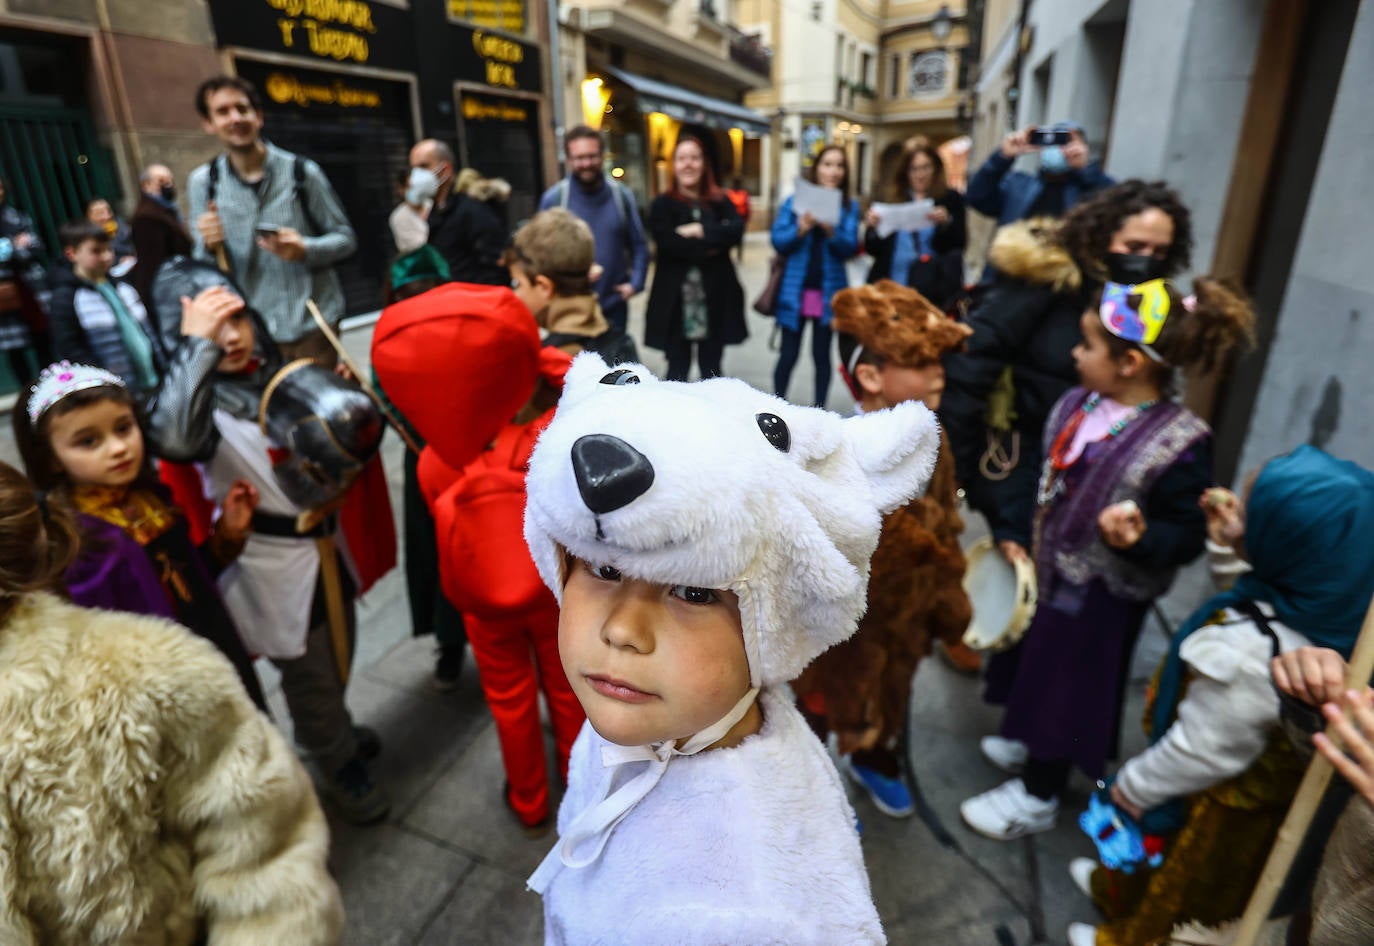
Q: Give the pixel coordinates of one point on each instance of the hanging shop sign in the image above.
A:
(508, 15)
(344, 31)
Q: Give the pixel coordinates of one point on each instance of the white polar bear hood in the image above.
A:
(717, 485)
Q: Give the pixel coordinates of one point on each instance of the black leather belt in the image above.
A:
(266, 523)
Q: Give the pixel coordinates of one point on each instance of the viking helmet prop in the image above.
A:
(325, 430)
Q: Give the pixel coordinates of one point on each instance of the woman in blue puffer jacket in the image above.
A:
(814, 271)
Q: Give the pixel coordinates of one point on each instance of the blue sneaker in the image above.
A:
(889, 795)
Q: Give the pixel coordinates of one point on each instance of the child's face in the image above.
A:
(535, 291)
(98, 444)
(236, 338)
(1098, 369)
(650, 662)
(91, 259)
(899, 383)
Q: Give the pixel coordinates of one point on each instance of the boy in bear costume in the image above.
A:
(891, 343)
(707, 541)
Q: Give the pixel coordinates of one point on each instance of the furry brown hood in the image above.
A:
(896, 323)
(1026, 250)
(488, 188)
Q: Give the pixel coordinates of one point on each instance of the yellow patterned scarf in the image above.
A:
(139, 512)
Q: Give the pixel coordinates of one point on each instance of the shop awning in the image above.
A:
(687, 106)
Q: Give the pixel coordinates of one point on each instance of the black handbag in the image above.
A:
(767, 302)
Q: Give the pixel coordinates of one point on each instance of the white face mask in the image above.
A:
(422, 186)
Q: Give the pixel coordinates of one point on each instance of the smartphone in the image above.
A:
(267, 229)
(1052, 135)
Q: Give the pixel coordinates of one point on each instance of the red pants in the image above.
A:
(516, 658)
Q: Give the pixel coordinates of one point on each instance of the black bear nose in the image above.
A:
(610, 473)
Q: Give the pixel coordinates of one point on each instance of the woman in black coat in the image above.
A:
(696, 298)
(929, 260)
(1028, 320)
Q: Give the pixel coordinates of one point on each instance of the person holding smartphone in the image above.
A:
(1066, 175)
(271, 218)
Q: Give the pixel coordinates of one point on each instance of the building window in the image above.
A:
(929, 74)
(865, 67)
(894, 76)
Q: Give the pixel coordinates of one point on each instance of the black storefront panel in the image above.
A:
(499, 137)
(359, 130)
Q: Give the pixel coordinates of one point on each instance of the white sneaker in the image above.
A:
(1008, 811)
(1009, 755)
(1082, 934)
(1081, 870)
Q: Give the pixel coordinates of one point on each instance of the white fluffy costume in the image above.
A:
(725, 488)
(143, 799)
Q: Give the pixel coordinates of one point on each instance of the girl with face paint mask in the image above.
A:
(1025, 327)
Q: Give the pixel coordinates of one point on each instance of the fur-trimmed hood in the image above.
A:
(487, 189)
(1026, 250)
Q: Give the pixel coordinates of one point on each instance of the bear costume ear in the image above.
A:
(588, 371)
(896, 449)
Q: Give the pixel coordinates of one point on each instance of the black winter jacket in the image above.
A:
(1029, 319)
(724, 295)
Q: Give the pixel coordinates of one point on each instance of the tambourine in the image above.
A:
(1003, 596)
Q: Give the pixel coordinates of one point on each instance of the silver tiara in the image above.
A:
(63, 379)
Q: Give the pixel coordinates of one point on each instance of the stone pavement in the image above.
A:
(448, 866)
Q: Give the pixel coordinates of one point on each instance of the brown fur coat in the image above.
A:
(915, 595)
(145, 800)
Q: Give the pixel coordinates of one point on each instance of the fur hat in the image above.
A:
(896, 323)
(718, 485)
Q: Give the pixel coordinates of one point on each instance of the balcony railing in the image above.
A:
(747, 50)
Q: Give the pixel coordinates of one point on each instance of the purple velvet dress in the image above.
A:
(114, 572)
(1062, 684)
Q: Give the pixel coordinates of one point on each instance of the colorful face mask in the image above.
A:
(1140, 323)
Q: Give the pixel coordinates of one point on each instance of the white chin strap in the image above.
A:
(589, 831)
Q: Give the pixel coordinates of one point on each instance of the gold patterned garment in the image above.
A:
(1212, 863)
(140, 513)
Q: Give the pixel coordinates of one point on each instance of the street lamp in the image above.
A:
(941, 26)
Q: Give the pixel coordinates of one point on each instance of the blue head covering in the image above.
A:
(1309, 536)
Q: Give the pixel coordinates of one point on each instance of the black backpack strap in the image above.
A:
(213, 181)
(298, 192)
(1253, 612)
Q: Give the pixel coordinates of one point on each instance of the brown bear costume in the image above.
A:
(862, 687)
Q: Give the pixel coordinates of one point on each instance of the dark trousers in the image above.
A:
(1046, 778)
(791, 350)
(315, 695)
(679, 352)
(430, 611)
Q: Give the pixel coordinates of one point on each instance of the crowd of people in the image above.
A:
(721, 598)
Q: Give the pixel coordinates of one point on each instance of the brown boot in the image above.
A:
(961, 657)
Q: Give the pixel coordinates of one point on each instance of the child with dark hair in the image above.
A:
(146, 799)
(79, 433)
(1117, 515)
(101, 321)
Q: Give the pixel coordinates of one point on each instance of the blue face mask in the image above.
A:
(1052, 160)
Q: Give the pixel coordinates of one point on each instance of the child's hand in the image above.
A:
(1315, 675)
(236, 513)
(206, 314)
(596, 272)
(1225, 516)
(1013, 551)
(1120, 801)
(1356, 760)
(1121, 524)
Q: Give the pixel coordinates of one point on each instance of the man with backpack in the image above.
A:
(271, 219)
(608, 207)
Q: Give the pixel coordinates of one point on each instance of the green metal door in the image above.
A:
(52, 165)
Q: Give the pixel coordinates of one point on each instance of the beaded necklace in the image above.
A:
(1051, 485)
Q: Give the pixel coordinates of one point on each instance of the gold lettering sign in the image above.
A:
(283, 87)
(318, 21)
(506, 15)
(500, 56)
(493, 111)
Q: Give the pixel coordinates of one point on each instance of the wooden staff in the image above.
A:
(1304, 806)
(358, 376)
(334, 604)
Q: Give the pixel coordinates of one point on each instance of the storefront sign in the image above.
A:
(500, 62)
(323, 92)
(508, 15)
(344, 31)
